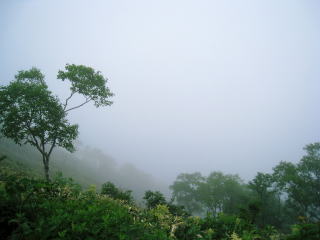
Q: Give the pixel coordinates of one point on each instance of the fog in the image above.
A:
(205, 86)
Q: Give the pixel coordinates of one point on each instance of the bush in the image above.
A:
(32, 208)
(310, 231)
(112, 191)
(35, 209)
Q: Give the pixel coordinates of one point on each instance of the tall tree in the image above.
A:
(301, 183)
(31, 114)
(267, 198)
(185, 191)
(216, 193)
(222, 193)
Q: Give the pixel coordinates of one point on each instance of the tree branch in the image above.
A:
(35, 141)
(43, 147)
(88, 100)
(52, 146)
(66, 102)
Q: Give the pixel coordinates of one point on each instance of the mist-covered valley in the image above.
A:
(174, 120)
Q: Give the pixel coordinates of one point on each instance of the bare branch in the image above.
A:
(88, 100)
(66, 103)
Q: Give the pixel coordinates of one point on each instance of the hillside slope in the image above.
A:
(86, 166)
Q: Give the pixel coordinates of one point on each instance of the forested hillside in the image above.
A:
(278, 206)
(86, 166)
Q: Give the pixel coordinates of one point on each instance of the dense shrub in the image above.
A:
(32, 208)
(310, 231)
(156, 198)
(112, 191)
(36, 209)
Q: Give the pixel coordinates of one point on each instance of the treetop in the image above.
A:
(87, 82)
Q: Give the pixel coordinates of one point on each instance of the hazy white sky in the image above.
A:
(199, 85)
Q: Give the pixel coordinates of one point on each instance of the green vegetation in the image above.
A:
(86, 166)
(290, 195)
(282, 205)
(36, 209)
(112, 191)
(32, 208)
(31, 114)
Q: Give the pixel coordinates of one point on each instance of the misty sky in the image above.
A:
(199, 85)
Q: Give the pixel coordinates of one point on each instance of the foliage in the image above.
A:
(86, 166)
(301, 183)
(37, 209)
(216, 193)
(222, 193)
(261, 185)
(277, 199)
(154, 198)
(250, 212)
(267, 200)
(112, 191)
(89, 83)
(31, 114)
(305, 231)
(222, 227)
(33, 208)
(185, 191)
(3, 158)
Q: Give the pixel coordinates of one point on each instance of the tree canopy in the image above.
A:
(301, 182)
(215, 194)
(31, 114)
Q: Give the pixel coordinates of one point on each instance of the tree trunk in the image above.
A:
(46, 172)
(46, 167)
